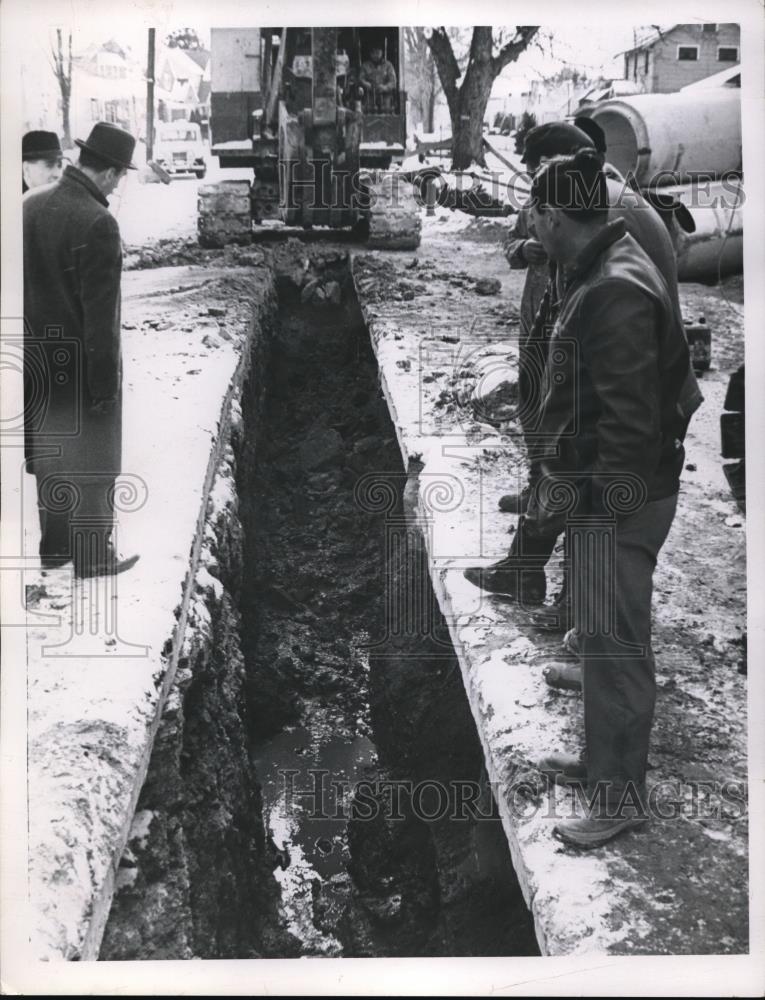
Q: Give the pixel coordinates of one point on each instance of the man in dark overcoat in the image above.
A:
(73, 368)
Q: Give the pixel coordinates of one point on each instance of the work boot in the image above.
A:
(54, 561)
(111, 565)
(606, 818)
(528, 586)
(554, 617)
(571, 643)
(594, 831)
(564, 676)
(515, 503)
(564, 769)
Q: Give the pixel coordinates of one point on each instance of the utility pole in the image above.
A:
(150, 99)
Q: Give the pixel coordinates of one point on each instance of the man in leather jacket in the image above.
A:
(610, 447)
(522, 574)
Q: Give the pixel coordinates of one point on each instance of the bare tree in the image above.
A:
(184, 38)
(423, 84)
(487, 57)
(62, 70)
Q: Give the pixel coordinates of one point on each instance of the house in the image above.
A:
(182, 88)
(665, 60)
(108, 84)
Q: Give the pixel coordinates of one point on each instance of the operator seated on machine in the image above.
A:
(378, 78)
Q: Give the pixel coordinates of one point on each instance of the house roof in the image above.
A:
(200, 56)
(730, 77)
(651, 35)
(181, 65)
(609, 89)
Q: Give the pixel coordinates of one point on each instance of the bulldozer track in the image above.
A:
(394, 216)
(224, 214)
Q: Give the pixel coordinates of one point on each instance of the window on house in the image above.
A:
(688, 53)
(94, 115)
(645, 63)
(727, 53)
(709, 29)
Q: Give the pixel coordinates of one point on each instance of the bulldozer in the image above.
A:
(319, 115)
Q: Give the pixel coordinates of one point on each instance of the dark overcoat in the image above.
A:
(72, 274)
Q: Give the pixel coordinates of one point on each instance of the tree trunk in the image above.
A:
(430, 113)
(65, 122)
(467, 122)
(468, 102)
(430, 100)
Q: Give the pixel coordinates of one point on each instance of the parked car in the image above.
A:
(178, 148)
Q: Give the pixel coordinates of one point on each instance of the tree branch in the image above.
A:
(441, 47)
(510, 52)
(446, 64)
(480, 44)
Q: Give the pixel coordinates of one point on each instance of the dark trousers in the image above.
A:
(532, 551)
(76, 516)
(612, 569)
(532, 357)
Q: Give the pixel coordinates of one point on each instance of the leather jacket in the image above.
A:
(612, 416)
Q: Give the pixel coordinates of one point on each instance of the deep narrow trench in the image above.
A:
(363, 741)
(316, 785)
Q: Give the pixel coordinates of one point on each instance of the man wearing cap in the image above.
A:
(522, 574)
(41, 159)
(524, 252)
(73, 368)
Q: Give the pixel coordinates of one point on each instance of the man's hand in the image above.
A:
(534, 252)
(103, 406)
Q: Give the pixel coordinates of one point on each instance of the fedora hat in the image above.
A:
(110, 143)
(39, 145)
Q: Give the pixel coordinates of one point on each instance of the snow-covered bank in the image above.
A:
(102, 656)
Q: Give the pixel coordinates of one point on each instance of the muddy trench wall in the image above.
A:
(194, 880)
